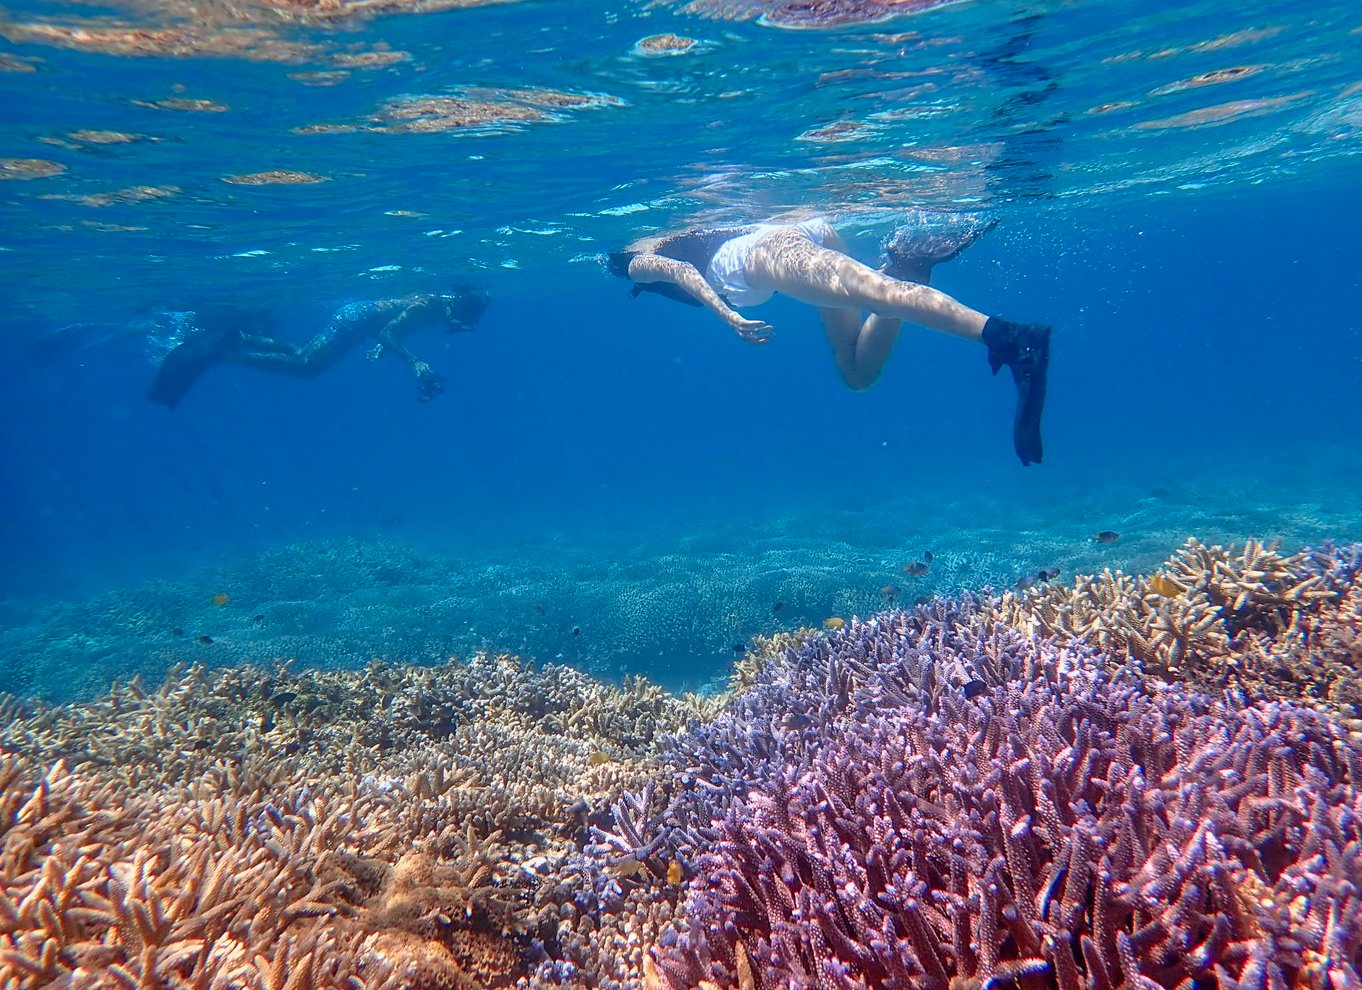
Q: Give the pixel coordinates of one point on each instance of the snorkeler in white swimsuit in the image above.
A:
(724, 267)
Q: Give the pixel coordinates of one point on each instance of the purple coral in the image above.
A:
(1060, 829)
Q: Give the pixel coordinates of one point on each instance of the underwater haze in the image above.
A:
(617, 482)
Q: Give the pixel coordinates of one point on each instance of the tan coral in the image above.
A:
(263, 828)
(1212, 617)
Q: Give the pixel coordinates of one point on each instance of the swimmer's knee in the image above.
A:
(859, 381)
(857, 378)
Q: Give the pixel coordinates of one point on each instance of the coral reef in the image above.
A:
(672, 612)
(1061, 827)
(979, 791)
(399, 825)
(1277, 626)
(219, 885)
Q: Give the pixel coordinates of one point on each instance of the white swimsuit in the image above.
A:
(727, 270)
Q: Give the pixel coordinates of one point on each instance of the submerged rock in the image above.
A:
(812, 13)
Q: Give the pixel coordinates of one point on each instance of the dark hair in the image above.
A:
(465, 305)
(618, 262)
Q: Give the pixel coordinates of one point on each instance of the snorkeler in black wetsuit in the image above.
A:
(724, 267)
(388, 322)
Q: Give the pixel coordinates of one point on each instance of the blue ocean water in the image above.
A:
(620, 481)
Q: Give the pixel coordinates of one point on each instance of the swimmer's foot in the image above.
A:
(183, 366)
(1025, 348)
(927, 238)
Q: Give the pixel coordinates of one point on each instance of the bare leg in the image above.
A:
(318, 354)
(860, 348)
(789, 262)
(267, 345)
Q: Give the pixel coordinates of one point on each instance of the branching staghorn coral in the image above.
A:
(1040, 823)
(1211, 618)
(925, 795)
(392, 825)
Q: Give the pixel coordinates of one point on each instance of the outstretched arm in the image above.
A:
(428, 382)
(655, 268)
(391, 336)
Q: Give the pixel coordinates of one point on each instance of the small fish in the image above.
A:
(834, 623)
(576, 631)
(916, 569)
(890, 591)
(221, 598)
(1048, 573)
(1164, 586)
(974, 688)
(205, 640)
(177, 631)
(779, 607)
(599, 757)
(283, 697)
(740, 648)
(927, 556)
(796, 721)
(1025, 582)
(1106, 536)
(539, 607)
(258, 617)
(626, 867)
(674, 873)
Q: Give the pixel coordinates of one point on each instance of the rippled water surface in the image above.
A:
(255, 145)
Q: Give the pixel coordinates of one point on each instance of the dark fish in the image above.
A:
(260, 617)
(1025, 581)
(740, 648)
(779, 607)
(916, 569)
(200, 745)
(890, 591)
(177, 631)
(1160, 492)
(283, 697)
(974, 688)
(576, 631)
(796, 721)
(539, 607)
(205, 640)
(1048, 573)
(927, 556)
(1051, 892)
(1106, 536)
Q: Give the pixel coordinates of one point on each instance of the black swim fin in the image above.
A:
(1025, 348)
(927, 238)
(184, 365)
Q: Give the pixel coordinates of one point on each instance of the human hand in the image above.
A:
(429, 383)
(752, 331)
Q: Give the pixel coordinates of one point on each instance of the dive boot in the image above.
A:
(1025, 348)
